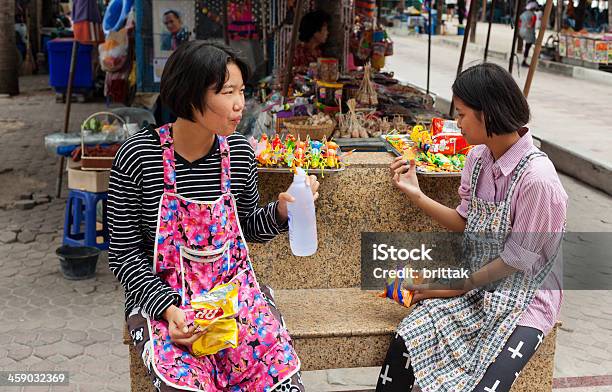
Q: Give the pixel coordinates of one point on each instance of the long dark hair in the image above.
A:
(491, 90)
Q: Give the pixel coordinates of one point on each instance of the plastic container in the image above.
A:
(302, 217)
(116, 15)
(78, 262)
(60, 51)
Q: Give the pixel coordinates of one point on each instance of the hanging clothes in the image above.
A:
(87, 22)
(241, 20)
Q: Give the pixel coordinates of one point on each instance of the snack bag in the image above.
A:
(213, 312)
(393, 289)
(220, 335)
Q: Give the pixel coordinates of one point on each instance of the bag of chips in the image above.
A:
(393, 288)
(213, 313)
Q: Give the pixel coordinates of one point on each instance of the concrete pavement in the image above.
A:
(52, 323)
(569, 114)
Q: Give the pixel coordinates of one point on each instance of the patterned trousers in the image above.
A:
(137, 326)
(397, 374)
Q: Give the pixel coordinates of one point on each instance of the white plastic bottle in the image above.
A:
(302, 218)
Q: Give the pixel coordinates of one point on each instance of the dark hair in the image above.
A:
(312, 23)
(490, 89)
(173, 12)
(192, 69)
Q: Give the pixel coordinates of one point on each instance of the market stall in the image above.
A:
(589, 50)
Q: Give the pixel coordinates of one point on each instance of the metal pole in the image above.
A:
(538, 47)
(519, 6)
(60, 169)
(297, 17)
(466, 33)
(429, 43)
(486, 53)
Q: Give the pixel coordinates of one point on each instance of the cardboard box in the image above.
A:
(70, 164)
(88, 180)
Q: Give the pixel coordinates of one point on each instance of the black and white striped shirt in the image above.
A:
(135, 188)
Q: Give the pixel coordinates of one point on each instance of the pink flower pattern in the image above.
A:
(265, 355)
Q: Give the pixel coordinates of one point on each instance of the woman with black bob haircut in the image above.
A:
(477, 334)
(183, 202)
(313, 33)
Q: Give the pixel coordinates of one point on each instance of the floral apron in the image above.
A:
(452, 341)
(199, 246)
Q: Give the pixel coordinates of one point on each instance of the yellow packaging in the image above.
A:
(222, 334)
(213, 313)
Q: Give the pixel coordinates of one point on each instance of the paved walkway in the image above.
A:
(569, 112)
(52, 323)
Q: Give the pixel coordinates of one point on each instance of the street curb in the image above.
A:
(576, 165)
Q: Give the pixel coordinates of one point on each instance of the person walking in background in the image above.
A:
(527, 26)
(450, 9)
(461, 10)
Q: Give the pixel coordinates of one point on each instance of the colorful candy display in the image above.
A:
(443, 150)
(293, 153)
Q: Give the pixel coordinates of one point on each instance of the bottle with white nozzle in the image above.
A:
(302, 218)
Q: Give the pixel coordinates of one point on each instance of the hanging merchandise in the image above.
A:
(241, 21)
(367, 94)
(114, 51)
(366, 8)
(87, 21)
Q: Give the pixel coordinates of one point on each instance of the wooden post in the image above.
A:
(297, 17)
(464, 46)
(538, 47)
(473, 23)
(517, 10)
(60, 170)
(609, 16)
(225, 23)
(559, 15)
(483, 17)
(486, 53)
(429, 44)
(439, 9)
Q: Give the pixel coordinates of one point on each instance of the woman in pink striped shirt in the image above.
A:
(476, 336)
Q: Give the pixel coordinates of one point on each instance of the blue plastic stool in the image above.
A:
(81, 211)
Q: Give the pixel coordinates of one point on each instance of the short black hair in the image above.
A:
(490, 89)
(173, 12)
(312, 23)
(192, 69)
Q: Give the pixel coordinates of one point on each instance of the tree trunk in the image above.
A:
(9, 77)
(579, 14)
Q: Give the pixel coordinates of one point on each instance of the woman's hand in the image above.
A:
(284, 197)
(405, 178)
(179, 332)
(420, 295)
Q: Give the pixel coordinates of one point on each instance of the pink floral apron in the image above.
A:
(199, 246)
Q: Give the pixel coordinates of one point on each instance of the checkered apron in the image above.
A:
(452, 341)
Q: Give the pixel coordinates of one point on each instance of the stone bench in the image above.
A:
(329, 317)
(329, 326)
